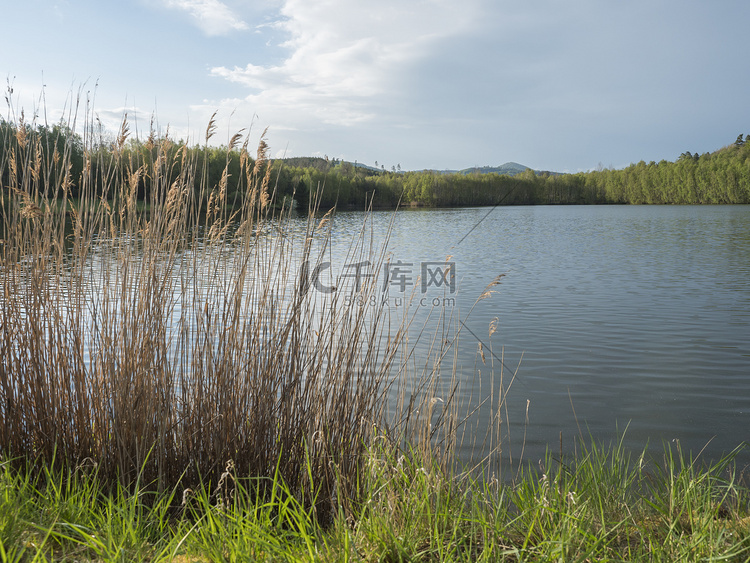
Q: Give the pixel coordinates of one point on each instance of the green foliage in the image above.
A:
(601, 505)
(719, 177)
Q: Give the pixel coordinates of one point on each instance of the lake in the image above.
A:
(632, 317)
(611, 317)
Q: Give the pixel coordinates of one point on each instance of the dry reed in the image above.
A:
(161, 331)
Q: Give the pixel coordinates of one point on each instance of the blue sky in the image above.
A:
(554, 85)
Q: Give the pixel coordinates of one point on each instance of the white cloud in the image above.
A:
(345, 58)
(212, 16)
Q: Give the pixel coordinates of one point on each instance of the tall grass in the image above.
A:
(601, 505)
(167, 335)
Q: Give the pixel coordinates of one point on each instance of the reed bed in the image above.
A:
(167, 331)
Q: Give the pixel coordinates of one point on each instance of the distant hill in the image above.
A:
(509, 168)
(323, 164)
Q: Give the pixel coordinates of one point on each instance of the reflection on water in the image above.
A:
(625, 316)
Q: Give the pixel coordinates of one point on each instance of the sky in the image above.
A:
(441, 84)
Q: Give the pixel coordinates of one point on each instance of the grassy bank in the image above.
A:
(603, 505)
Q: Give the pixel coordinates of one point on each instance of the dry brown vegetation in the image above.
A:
(160, 340)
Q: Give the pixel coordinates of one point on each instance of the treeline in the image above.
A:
(719, 177)
(722, 176)
(37, 158)
(353, 187)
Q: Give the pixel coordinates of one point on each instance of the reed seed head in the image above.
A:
(211, 127)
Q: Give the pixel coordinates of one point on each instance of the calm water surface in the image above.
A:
(624, 316)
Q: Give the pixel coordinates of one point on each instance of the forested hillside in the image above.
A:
(719, 177)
